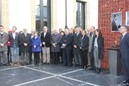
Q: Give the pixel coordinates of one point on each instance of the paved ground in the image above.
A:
(54, 75)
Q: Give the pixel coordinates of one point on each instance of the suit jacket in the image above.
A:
(76, 42)
(84, 43)
(24, 39)
(14, 41)
(124, 47)
(100, 42)
(3, 40)
(46, 39)
(56, 38)
(68, 40)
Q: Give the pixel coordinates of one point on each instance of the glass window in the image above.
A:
(80, 14)
(42, 13)
(37, 9)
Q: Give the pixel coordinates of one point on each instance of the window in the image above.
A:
(42, 13)
(80, 14)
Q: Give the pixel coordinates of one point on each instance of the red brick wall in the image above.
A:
(106, 7)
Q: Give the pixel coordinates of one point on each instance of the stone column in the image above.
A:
(5, 14)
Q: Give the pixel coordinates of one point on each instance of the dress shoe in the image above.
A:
(126, 82)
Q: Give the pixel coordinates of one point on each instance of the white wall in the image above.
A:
(94, 13)
(20, 14)
(58, 13)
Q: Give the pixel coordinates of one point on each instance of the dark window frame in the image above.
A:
(84, 15)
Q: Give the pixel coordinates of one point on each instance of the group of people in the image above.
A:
(69, 47)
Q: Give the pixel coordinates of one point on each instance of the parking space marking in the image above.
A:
(79, 81)
(10, 68)
(64, 81)
(71, 72)
(40, 71)
(55, 75)
(29, 82)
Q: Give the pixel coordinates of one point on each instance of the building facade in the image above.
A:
(34, 14)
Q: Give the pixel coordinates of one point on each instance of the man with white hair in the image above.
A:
(3, 46)
(25, 40)
(46, 44)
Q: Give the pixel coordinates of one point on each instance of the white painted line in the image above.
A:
(10, 68)
(40, 71)
(60, 75)
(37, 80)
(71, 72)
(65, 81)
(79, 81)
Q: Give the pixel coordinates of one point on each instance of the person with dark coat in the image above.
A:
(46, 44)
(83, 45)
(30, 51)
(3, 46)
(97, 50)
(76, 52)
(24, 41)
(67, 45)
(124, 53)
(14, 46)
(62, 33)
(55, 48)
(36, 47)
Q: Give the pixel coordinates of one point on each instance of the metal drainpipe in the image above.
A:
(41, 15)
(49, 15)
(66, 14)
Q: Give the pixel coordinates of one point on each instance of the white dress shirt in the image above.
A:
(14, 35)
(44, 34)
(96, 42)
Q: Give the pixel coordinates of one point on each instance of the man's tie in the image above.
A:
(122, 38)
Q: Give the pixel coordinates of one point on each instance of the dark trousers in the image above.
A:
(55, 57)
(84, 58)
(61, 55)
(30, 56)
(125, 66)
(67, 56)
(36, 57)
(9, 56)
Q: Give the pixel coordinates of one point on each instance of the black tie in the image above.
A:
(90, 34)
(1, 35)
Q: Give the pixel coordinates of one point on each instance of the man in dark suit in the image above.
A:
(46, 44)
(76, 38)
(124, 51)
(25, 40)
(67, 46)
(14, 45)
(30, 51)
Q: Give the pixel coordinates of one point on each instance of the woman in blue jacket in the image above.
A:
(36, 47)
